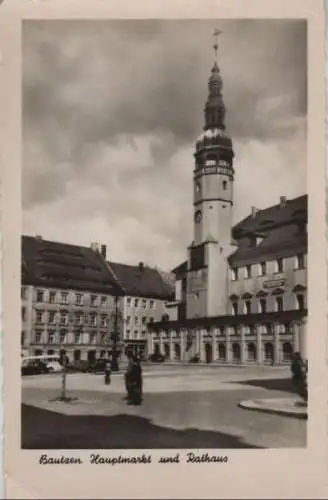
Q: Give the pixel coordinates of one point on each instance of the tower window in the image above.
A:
(247, 307)
(234, 273)
(279, 265)
(262, 269)
(262, 306)
(299, 264)
(279, 304)
(248, 271)
(235, 308)
(224, 185)
(300, 302)
(197, 187)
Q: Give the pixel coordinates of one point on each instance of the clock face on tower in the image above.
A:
(198, 216)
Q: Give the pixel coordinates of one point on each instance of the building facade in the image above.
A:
(146, 293)
(241, 295)
(76, 303)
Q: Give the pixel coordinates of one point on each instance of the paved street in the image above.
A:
(183, 407)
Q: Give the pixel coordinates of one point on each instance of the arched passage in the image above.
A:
(177, 351)
(235, 353)
(287, 351)
(222, 352)
(208, 353)
(268, 352)
(251, 352)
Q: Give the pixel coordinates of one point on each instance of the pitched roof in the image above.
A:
(293, 210)
(142, 281)
(282, 228)
(60, 265)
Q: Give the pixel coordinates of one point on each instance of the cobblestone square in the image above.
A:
(184, 407)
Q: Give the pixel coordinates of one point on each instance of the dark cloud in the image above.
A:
(111, 110)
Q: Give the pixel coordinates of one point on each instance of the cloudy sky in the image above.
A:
(111, 111)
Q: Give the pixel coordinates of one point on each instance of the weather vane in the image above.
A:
(216, 34)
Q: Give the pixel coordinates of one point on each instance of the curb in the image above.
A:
(257, 405)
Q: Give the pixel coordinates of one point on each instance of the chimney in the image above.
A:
(95, 246)
(254, 211)
(283, 201)
(103, 251)
(141, 266)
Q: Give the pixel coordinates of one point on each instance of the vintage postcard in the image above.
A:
(163, 249)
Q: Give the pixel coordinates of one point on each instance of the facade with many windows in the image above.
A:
(74, 302)
(147, 291)
(241, 295)
(69, 300)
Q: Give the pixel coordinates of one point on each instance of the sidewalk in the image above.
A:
(288, 407)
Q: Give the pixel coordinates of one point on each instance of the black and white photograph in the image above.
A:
(164, 234)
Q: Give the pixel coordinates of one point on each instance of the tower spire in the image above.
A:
(216, 34)
(214, 107)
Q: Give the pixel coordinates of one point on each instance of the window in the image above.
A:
(197, 186)
(23, 313)
(23, 293)
(144, 320)
(299, 264)
(52, 316)
(248, 271)
(262, 269)
(300, 301)
(136, 319)
(279, 265)
(135, 334)
(38, 337)
(234, 273)
(63, 318)
(103, 300)
(93, 338)
(51, 337)
(128, 319)
(128, 301)
(103, 322)
(39, 316)
(93, 319)
(128, 334)
(279, 304)
(77, 338)
(225, 185)
(93, 300)
(63, 297)
(78, 318)
(39, 295)
(62, 336)
(152, 304)
(258, 240)
(136, 303)
(78, 299)
(262, 306)
(144, 303)
(52, 297)
(22, 338)
(247, 306)
(234, 308)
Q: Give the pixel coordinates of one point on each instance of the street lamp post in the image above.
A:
(115, 335)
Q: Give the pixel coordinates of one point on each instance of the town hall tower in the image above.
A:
(208, 269)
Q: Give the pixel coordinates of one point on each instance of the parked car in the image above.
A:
(78, 366)
(97, 366)
(34, 368)
(157, 358)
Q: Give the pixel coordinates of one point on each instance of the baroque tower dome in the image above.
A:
(214, 129)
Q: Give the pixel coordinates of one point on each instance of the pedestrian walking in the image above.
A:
(108, 370)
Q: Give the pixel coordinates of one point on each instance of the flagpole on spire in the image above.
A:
(216, 34)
